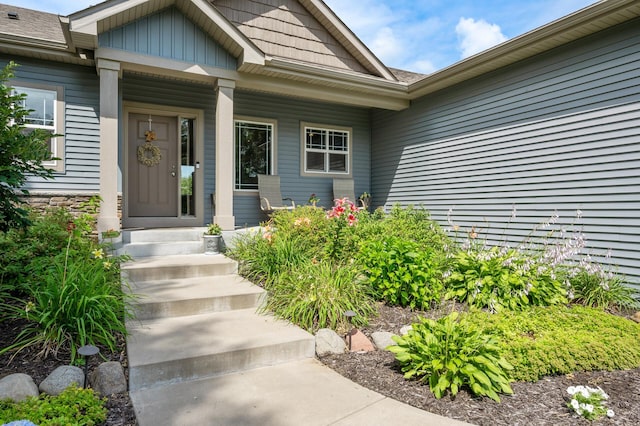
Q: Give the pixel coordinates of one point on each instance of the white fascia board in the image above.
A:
(334, 76)
(86, 21)
(339, 95)
(353, 41)
(32, 42)
(162, 66)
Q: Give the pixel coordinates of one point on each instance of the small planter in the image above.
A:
(212, 244)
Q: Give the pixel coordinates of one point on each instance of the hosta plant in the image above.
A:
(451, 353)
(496, 278)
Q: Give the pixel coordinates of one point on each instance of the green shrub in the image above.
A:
(316, 295)
(559, 340)
(307, 225)
(402, 273)
(599, 289)
(495, 278)
(450, 354)
(410, 223)
(74, 406)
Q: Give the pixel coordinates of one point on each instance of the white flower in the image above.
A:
(575, 404)
(610, 413)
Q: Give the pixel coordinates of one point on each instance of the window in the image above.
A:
(46, 113)
(254, 146)
(326, 149)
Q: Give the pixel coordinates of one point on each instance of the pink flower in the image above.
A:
(351, 219)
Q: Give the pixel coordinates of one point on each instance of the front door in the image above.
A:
(153, 173)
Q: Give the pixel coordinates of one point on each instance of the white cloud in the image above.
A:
(476, 36)
(422, 66)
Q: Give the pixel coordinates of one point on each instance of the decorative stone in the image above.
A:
(108, 379)
(360, 342)
(405, 329)
(636, 317)
(17, 387)
(61, 378)
(328, 342)
(382, 339)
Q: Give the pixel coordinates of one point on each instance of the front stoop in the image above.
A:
(196, 318)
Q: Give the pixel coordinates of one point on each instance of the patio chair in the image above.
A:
(344, 188)
(270, 196)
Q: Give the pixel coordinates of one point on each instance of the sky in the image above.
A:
(415, 35)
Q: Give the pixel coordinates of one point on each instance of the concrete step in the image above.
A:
(138, 250)
(177, 349)
(162, 235)
(192, 296)
(178, 266)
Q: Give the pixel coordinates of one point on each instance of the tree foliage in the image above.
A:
(22, 152)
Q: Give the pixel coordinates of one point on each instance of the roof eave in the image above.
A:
(580, 24)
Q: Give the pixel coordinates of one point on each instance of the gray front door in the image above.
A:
(153, 175)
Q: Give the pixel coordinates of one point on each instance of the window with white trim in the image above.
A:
(326, 149)
(254, 152)
(46, 112)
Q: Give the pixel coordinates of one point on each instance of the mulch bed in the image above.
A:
(540, 403)
(28, 361)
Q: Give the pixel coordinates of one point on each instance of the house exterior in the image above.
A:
(170, 108)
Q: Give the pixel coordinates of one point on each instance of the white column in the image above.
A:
(109, 72)
(224, 155)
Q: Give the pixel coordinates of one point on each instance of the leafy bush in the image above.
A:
(495, 278)
(74, 406)
(600, 289)
(21, 153)
(410, 223)
(307, 225)
(451, 353)
(316, 295)
(559, 340)
(402, 273)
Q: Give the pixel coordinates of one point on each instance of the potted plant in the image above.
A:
(212, 237)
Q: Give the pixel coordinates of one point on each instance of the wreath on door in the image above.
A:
(149, 154)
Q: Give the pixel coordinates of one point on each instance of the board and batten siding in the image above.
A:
(169, 34)
(289, 113)
(559, 132)
(82, 123)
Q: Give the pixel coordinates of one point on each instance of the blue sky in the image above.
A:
(416, 35)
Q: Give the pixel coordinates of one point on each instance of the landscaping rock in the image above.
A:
(636, 317)
(61, 378)
(360, 342)
(382, 339)
(404, 330)
(17, 387)
(108, 379)
(328, 342)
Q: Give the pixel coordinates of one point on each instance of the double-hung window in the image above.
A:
(326, 150)
(46, 112)
(254, 152)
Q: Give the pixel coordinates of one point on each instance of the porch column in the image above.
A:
(109, 72)
(224, 155)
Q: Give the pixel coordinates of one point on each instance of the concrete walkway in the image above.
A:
(199, 354)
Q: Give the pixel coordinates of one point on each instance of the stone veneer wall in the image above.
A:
(42, 201)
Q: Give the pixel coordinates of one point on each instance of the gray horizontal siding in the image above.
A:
(289, 113)
(558, 132)
(82, 122)
(169, 34)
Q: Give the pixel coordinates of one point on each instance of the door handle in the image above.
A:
(173, 171)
